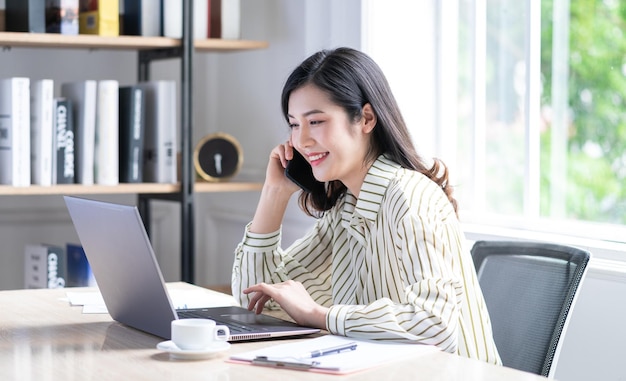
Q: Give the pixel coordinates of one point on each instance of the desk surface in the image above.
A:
(42, 337)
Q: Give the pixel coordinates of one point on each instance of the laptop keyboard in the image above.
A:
(233, 326)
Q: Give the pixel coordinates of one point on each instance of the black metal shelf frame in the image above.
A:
(185, 196)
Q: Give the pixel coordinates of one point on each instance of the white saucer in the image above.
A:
(192, 354)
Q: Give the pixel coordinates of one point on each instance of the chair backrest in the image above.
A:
(529, 289)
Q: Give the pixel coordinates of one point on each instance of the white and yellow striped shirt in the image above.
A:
(390, 265)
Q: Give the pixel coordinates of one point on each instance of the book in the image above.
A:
(326, 354)
(78, 270)
(15, 131)
(41, 131)
(99, 17)
(159, 153)
(142, 18)
(25, 16)
(62, 16)
(83, 95)
(63, 146)
(173, 18)
(106, 161)
(44, 266)
(131, 133)
(225, 19)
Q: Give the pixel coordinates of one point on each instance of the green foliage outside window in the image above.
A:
(596, 161)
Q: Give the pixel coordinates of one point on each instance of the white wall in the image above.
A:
(239, 93)
(593, 346)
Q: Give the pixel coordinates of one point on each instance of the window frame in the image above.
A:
(604, 240)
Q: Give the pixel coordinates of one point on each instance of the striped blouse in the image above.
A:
(390, 265)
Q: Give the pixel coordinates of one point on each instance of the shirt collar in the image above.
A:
(373, 189)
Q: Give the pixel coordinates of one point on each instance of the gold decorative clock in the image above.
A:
(217, 157)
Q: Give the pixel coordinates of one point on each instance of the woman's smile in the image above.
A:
(317, 158)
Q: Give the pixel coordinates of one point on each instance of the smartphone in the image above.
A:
(300, 172)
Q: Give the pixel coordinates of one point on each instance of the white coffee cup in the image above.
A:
(194, 334)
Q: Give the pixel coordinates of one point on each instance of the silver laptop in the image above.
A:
(129, 278)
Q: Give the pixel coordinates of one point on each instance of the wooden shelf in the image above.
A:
(79, 189)
(217, 45)
(74, 189)
(84, 41)
(206, 187)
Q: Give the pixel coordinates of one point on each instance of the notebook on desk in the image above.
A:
(129, 278)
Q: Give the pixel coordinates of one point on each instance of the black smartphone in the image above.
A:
(300, 172)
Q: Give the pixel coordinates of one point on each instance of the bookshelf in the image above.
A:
(83, 41)
(149, 49)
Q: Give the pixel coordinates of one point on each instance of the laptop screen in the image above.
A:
(129, 278)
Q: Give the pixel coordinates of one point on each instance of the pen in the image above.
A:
(295, 365)
(265, 361)
(337, 349)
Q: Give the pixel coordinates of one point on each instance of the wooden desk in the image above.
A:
(43, 338)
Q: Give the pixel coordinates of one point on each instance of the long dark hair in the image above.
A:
(352, 79)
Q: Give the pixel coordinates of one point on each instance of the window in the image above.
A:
(525, 101)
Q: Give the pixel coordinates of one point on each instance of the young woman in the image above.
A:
(386, 258)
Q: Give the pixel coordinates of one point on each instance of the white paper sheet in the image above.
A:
(367, 354)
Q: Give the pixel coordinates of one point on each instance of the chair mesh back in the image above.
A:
(528, 289)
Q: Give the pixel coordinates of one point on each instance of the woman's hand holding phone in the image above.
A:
(276, 193)
(293, 166)
(275, 174)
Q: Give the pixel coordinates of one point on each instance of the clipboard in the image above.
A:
(296, 355)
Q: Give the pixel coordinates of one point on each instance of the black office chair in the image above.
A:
(529, 289)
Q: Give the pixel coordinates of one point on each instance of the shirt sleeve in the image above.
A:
(424, 292)
(259, 258)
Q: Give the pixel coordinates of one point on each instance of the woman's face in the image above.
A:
(321, 131)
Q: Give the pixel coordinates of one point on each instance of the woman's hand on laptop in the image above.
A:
(292, 298)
